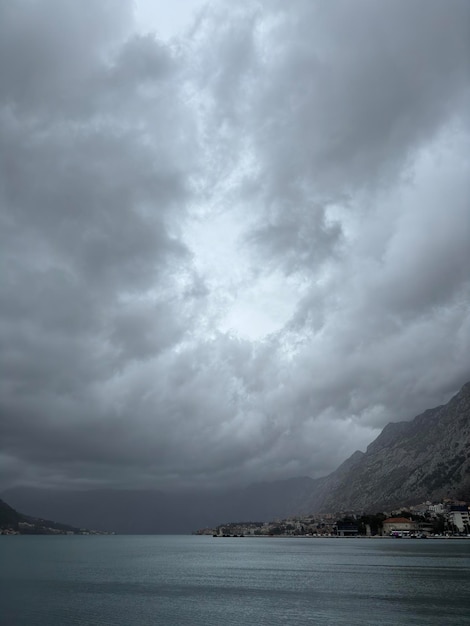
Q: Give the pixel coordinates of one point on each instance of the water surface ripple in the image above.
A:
(202, 581)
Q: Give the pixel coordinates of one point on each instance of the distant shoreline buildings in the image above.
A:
(447, 518)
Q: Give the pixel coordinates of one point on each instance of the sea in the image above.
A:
(203, 581)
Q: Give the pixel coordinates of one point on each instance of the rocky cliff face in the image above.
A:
(427, 458)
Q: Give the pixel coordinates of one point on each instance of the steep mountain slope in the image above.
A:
(427, 458)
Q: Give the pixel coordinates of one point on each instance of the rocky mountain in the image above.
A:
(426, 458)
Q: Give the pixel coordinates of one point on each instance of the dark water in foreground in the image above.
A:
(201, 581)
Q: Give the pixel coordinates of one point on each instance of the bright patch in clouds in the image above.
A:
(245, 300)
(262, 308)
(166, 19)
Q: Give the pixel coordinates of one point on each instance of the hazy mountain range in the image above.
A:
(426, 458)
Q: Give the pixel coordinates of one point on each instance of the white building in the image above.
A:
(458, 516)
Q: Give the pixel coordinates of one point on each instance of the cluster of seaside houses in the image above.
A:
(420, 520)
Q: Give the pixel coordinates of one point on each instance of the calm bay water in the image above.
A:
(202, 581)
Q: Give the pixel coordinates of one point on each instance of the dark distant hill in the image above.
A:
(426, 458)
(11, 519)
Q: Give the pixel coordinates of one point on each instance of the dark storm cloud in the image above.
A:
(338, 131)
(92, 190)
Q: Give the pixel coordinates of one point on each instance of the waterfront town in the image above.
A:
(442, 519)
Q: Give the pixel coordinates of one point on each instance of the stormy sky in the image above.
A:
(234, 236)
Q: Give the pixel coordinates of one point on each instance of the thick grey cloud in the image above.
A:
(310, 152)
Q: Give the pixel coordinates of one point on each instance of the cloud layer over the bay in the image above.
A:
(234, 254)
